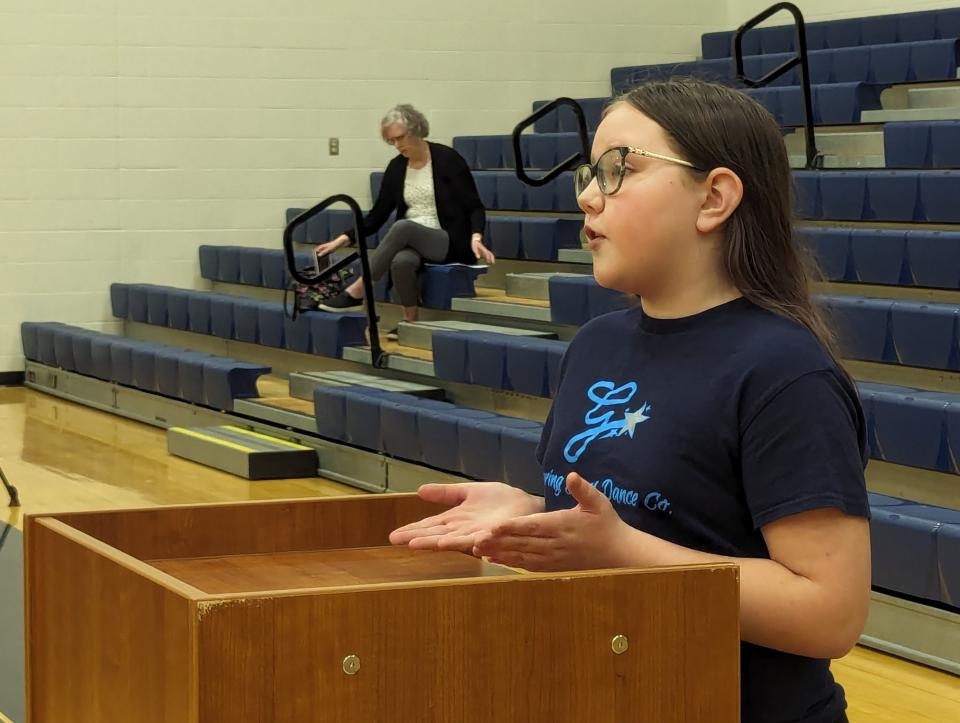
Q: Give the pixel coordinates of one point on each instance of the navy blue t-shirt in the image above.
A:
(701, 430)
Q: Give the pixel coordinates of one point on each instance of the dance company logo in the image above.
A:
(609, 401)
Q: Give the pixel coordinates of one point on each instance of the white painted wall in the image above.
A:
(131, 131)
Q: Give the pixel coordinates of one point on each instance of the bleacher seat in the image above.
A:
(898, 28)
(465, 441)
(251, 321)
(873, 63)
(896, 257)
(197, 377)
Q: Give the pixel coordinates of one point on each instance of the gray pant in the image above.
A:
(402, 251)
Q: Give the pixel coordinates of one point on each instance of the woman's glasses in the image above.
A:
(611, 167)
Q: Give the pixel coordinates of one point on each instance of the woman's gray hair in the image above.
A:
(415, 122)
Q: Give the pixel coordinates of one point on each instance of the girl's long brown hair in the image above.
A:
(716, 126)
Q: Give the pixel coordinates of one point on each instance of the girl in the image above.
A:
(711, 423)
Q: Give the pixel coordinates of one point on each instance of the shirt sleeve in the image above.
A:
(466, 189)
(804, 450)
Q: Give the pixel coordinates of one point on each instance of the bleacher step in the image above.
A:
(910, 114)
(242, 452)
(934, 97)
(504, 309)
(302, 384)
(419, 334)
(532, 286)
(829, 161)
(395, 362)
(859, 143)
(575, 256)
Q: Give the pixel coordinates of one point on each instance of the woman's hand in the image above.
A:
(328, 248)
(481, 252)
(478, 508)
(589, 536)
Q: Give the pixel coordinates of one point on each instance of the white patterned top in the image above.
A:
(420, 197)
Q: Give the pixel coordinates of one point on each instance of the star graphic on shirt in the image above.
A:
(632, 419)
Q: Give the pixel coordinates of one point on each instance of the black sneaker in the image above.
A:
(341, 302)
(393, 334)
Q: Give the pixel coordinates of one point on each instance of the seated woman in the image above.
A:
(440, 218)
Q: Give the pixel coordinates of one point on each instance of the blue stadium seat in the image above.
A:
(466, 146)
(178, 309)
(45, 344)
(879, 256)
(542, 198)
(450, 356)
(251, 272)
(330, 333)
(907, 145)
(439, 437)
(83, 353)
(221, 316)
(488, 152)
(209, 262)
(927, 335)
(157, 305)
(143, 360)
(63, 347)
(847, 65)
(362, 413)
(948, 557)
(910, 427)
(99, 356)
(904, 552)
(518, 447)
(831, 248)
(894, 196)
(892, 65)
(944, 144)
(912, 27)
(863, 325)
(532, 365)
(940, 191)
(878, 30)
(843, 195)
(296, 333)
(503, 234)
(934, 258)
(486, 360)
(198, 313)
(807, 192)
(137, 302)
(228, 265)
(568, 300)
(487, 188)
(440, 284)
(119, 300)
(246, 317)
(225, 380)
(510, 192)
(273, 269)
(270, 326)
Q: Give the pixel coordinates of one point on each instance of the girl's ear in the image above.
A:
(724, 191)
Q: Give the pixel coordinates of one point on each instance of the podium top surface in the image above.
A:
(323, 568)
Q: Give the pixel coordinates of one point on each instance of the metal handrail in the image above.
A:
(814, 159)
(569, 163)
(377, 355)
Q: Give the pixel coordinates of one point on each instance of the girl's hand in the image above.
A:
(479, 507)
(589, 536)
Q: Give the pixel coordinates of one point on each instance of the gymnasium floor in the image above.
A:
(65, 457)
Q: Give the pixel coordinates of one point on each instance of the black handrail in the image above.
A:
(814, 159)
(566, 165)
(11, 492)
(377, 355)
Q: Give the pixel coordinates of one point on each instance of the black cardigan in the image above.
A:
(459, 208)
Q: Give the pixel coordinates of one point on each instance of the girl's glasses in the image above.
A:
(611, 167)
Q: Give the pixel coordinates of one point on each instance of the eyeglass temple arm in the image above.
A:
(570, 163)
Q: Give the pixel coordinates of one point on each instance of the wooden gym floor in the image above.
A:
(65, 457)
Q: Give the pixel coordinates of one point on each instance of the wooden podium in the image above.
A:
(299, 611)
